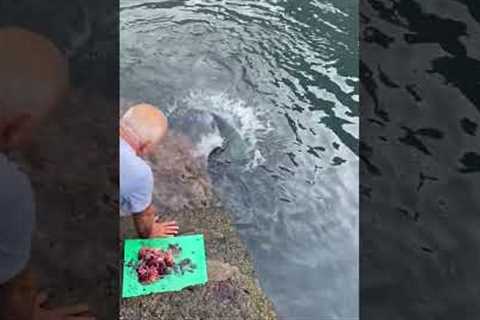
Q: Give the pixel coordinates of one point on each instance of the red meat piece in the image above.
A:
(154, 264)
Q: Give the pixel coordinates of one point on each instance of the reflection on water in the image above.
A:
(280, 79)
(420, 160)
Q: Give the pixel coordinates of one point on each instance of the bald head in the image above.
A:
(34, 73)
(33, 79)
(144, 123)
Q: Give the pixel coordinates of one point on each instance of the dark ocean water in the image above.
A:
(281, 79)
(420, 101)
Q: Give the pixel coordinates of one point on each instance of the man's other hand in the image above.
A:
(148, 225)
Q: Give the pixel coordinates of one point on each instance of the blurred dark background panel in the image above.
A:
(85, 30)
(420, 151)
(72, 161)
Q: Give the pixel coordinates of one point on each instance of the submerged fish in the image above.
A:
(200, 127)
(210, 134)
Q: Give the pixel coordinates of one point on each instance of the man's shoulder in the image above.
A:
(136, 181)
(132, 167)
(13, 182)
(18, 215)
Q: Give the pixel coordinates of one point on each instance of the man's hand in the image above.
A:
(76, 312)
(148, 226)
(164, 229)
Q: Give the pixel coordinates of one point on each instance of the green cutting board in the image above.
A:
(192, 247)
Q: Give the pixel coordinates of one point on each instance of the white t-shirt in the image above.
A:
(17, 212)
(136, 181)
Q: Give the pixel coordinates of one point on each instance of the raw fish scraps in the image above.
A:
(154, 264)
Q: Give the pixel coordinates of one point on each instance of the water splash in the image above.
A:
(247, 124)
(208, 143)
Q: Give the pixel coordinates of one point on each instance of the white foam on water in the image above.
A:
(248, 122)
(207, 144)
(328, 8)
(257, 160)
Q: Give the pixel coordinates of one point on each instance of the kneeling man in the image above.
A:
(142, 127)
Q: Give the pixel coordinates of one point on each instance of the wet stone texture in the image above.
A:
(181, 180)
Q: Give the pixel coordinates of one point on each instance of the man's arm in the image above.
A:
(147, 225)
(144, 221)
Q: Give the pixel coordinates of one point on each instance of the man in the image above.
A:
(141, 129)
(33, 80)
